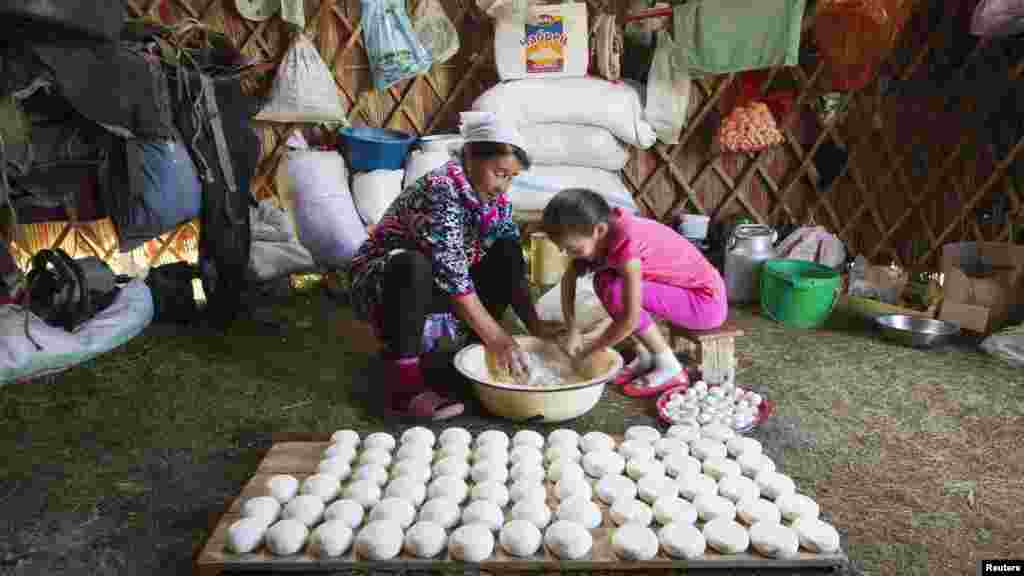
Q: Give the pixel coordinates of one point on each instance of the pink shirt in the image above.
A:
(665, 256)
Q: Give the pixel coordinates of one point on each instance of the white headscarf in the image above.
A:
(487, 127)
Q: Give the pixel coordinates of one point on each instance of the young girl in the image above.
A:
(642, 268)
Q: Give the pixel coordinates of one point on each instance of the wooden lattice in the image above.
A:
(877, 204)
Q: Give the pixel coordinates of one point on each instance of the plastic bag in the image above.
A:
(997, 18)
(435, 30)
(394, 51)
(304, 89)
(518, 9)
(813, 244)
(668, 92)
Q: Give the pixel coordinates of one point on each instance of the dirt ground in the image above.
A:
(118, 466)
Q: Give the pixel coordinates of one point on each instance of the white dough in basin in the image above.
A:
(449, 487)
(455, 451)
(490, 491)
(647, 434)
(719, 468)
(377, 456)
(707, 449)
(753, 464)
(484, 513)
(738, 489)
(634, 542)
(741, 445)
(527, 472)
(455, 435)
(367, 493)
(774, 540)
(451, 466)
(440, 511)
(394, 509)
(408, 489)
(348, 511)
(529, 438)
(418, 435)
(637, 450)
(582, 511)
(568, 540)
(751, 512)
(816, 535)
(246, 535)
(653, 487)
(324, 486)
(680, 466)
(350, 437)
(638, 468)
(597, 442)
(425, 540)
(337, 467)
(688, 434)
(371, 473)
(416, 451)
(697, 485)
(345, 452)
(726, 536)
(492, 437)
(523, 454)
(712, 506)
(793, 506)
(560, 469)
(564, 437)
(666, 446)
(330, 539)
(493, 452)
(680, 540)
(380, 441)
(535, 512)
(557, 452)
(674, 510)
(380, 540)
(520, 538)
(600, 464)
(527, 490)
(631, 511)
(489, 471)
(774, 485)
(471, 543)
(573, 486)
(305, 508)
(614, 487)
(264, 508)
(283, 487)
(286, 537)
(413, 469)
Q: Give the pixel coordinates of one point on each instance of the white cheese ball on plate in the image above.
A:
(380, 441)
(719, 432)
(712, 506)
(377, 456)
(371, 473)
(286, 537)
(637, 450)
(751, 512)
(381, 540)
(330, 539)
(557, 452)
(263, 508)
(282, 487)
(367, 493)
(455, 435)
(495, 437)
(527, 490)
(528, 438)
(719, 468)
(407, 488)
(345, 452)
(419, 435)
(324, 486)
(647, 434)
(697, 485)
(573, 486)
(484, 513)
(816, 535)
(614, 487)
(441, 511)
(634, 542)
(491, 452)
(415, 470)
(637, 468)
(336, 467)
(794, 506)
(568, 540)
(395, 510)
(454, 451)
(523, 454)
(349, 512)
(653, 487)
(415, 451)
(738, 489)
(246, 535)
(597, 442)
(674, 510)
(527, 472)
(564, 437)
(560, 469)
(425, 540)
(535, 512)
(668, 446)
(580, 510)
(471, 543)
(305, 508)
(753, 464)
(774, 540)
(688, 434)
(449, 487)
(726, 536)
(774, 485)
(682, 540)
(489, 471)
(679, 466)
(741, 445)
(451, 466)
(491, 491)
(631, 511)
(520, 538)
(707, 449)
(350, 437)
(601, 464)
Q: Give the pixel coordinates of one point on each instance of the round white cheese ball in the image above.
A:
(711, 506)
(419, 435)
(601, 464)
(726, 536)
(718, 432)
(707, 449)
(471, 543)
(492, 492)
(377, 456)
(496, 437)
(634, 542)
(484, 513)
(597, 442)
(350, 437)
(282, 487)
(738, 489)
(412, 469)
(751, 512)
(741, 445)
(668, 446)
(774, 540)
(682, 540)
(527, 490)
(323, 486)
(455, 435)
(286, 537)
(425, 540)
(693, 487)
(557, 452)
(367, 493)
(416, 451)
(491, 452)
(305, 508)
(774, 485)
(330, 539)
(380, 540)
(449, 487)
(380, 441)
(638, 468)
(441, 511)
(528, 438)
(263, 508)
(246, 535)
(652, 487)
(680, 466)
(489, 471)
(568, 540)
(674, 510)
(582, 511)
(753, 464)
(573, 486)
(647, 434)
(395, 510)
(816, 535)
(564, 437)
(523, 454)
(614, 487)
(408, 489)
(520, 538)
(637, 450)
(349, 512)
(337, 467)
(794, 506)
(451, 466)
(535, 512)
(454, 451)
(344, 452)
(688, 434)
(560, 469)
(719, 468)
(527, 472)
(371, 473)
(631, 511)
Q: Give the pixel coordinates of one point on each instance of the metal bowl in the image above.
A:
(915, 331)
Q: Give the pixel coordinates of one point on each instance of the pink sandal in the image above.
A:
(634, 389)
(432, 406)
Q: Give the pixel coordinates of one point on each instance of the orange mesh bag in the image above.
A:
(749, 129)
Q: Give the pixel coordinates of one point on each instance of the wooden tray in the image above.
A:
(300, 460)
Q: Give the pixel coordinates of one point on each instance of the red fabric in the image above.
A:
(404, 382)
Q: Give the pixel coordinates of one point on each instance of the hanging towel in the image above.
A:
(724, 36)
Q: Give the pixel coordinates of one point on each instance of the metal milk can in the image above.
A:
(749, 246)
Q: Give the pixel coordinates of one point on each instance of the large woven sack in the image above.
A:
(574, 145)
(374, 192)
(326, 218)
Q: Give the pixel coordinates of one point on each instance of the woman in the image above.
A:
(448, 243)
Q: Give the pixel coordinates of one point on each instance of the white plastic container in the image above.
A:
(694, 226)
(553, 42)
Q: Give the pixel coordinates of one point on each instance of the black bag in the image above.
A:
(59, 292)
(65, 21)
(171, 288)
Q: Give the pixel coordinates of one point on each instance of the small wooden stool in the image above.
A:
(713, 351)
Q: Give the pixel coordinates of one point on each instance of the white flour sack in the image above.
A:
(328, 225)
(420, 162)
(589, 101)
(375, 191)
(574, 145)
(531, 191)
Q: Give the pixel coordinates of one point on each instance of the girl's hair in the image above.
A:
(485, 150)
(574, 211)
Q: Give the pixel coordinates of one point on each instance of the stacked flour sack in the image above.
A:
(576, 131)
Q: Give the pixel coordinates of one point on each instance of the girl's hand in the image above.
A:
(510, 356)
(548, 329)
(573, 342)
(580, 360)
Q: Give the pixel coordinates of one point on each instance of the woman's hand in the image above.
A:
(509, 355)
(573, 342)
(548, 329)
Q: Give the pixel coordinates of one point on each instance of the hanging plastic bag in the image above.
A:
(304, 89)
(497, 9)
(668, 92)
(997, 18)
(394, 51)
(435, 30)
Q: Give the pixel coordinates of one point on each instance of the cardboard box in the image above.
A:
(983, 283)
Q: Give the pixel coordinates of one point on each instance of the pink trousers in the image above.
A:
(679, 306)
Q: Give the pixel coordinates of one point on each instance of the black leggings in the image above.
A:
(410, 293)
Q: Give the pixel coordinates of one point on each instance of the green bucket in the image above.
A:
(798, 293)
